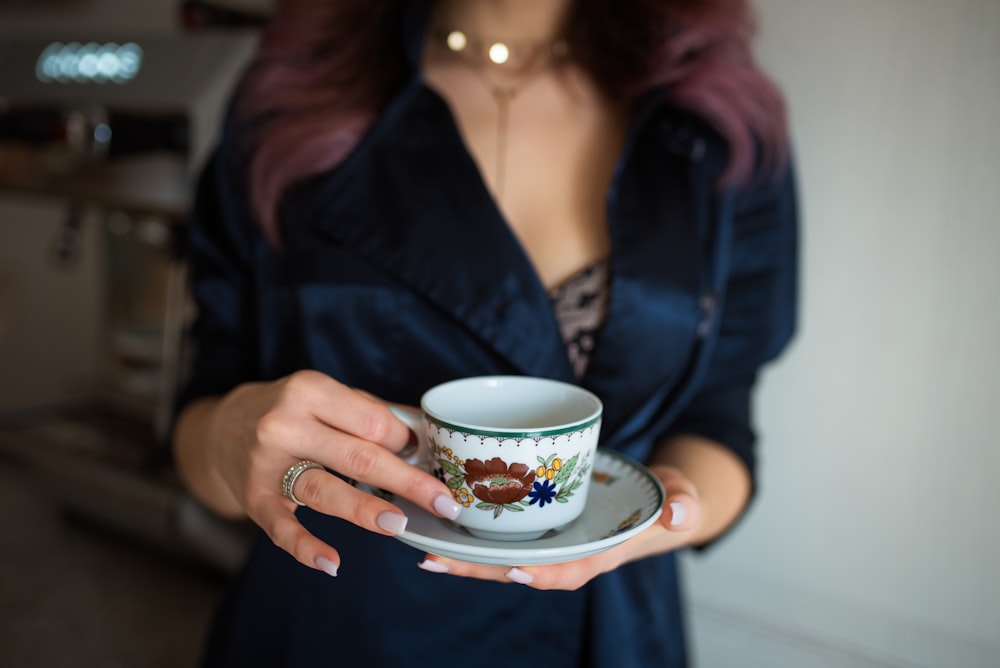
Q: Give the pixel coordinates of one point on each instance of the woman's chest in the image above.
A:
(546, 150)
(400, 271)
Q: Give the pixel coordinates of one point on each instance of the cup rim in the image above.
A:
(594, 417)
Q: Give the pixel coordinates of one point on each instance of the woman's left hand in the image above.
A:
(675, 528)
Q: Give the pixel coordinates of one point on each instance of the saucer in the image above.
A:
(625, 498)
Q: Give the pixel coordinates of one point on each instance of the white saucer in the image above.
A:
(625, 498)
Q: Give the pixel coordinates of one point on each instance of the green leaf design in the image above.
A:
(499, 480)
(495, 507)
(566, 471)
(511, 506)
(450, 467)
(563, 499)
(456, 482)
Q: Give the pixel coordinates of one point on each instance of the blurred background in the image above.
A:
(874, 538)
(107, 111)
(875, 541)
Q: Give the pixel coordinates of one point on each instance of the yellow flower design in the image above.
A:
(464, 497)
(550, 472)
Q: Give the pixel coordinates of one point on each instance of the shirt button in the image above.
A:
(697, 151)
(499, 310)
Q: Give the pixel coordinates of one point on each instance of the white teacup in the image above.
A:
(516, 451)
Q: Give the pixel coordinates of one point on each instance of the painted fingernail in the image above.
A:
(447, 506)
(392, 522)
(678, 513)
(519, 576)
(326, 566)
(434, 566)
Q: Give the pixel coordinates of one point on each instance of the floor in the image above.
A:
(74, 594)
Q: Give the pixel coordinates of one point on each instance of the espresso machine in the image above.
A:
(109, 132)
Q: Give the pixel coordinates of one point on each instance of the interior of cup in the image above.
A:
(511, 403)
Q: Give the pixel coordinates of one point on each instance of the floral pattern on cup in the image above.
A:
(499, 485)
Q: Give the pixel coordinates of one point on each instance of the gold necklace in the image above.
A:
(525, 60)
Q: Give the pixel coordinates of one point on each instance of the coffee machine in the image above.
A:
(110, 132)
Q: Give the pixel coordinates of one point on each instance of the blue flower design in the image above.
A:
(439, 473)
(542, 492)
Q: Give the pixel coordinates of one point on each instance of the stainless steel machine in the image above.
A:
(115, 129)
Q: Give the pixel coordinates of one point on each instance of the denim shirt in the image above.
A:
(397, 271)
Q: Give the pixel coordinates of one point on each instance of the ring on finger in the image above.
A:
(292, 474)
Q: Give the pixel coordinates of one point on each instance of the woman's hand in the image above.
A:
(675, 528)
(233, 452)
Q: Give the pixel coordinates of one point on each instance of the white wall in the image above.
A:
(874, 541)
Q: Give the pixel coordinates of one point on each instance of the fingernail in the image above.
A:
(392, 522)
(434, 566)
(447, 506)
(326, 566)
(519, 576)
(678, 513)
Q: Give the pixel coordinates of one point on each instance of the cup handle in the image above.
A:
(413, 455)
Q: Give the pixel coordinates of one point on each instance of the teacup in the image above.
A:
(516, 451)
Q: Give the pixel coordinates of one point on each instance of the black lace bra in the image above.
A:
(580, 303)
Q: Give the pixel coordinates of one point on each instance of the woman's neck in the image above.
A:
(536, 20)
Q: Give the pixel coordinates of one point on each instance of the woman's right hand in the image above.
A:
(233, 453)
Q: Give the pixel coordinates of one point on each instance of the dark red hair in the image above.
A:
(325, 69)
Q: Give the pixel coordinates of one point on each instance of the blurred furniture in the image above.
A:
(116, 130)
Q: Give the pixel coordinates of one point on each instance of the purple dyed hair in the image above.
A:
(325, 69)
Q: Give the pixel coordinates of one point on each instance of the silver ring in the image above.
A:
(292, 474)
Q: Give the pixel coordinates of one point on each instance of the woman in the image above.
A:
(397, 201)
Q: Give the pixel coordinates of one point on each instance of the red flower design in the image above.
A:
(494, 481)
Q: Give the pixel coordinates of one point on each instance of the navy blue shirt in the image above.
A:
(397, 271)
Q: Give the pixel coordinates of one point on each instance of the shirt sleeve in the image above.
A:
(756, 317)
(222, 341)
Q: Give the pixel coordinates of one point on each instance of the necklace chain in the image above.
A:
(524, 60)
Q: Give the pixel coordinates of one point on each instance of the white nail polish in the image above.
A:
(392, 522)
(447, 506)
(326, 566)
(678, 513)
(519, 576)
(433, 566)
